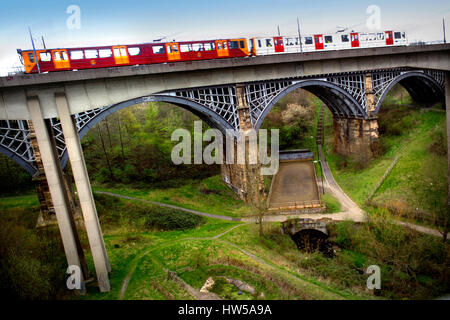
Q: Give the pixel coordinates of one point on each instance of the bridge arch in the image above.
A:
(213, 119)
(421, 86)
(338, 100)
(19, 160)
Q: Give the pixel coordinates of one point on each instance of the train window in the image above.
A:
(185, 48)
(105, 53)
(31, 57)
(268, 42)
(198, 47)
(354, 37)
(296, 41)
(242, 44)
(380, 36)
(397, 35)
(363, 37)
(134, 51)
(234, 45)
(64, 55)
(372, 36)
(123, 52)
(91, 54)
(210, 46)
(56, 56)
(75, 55)
(328, 39)
(259, 43)
(219, 46)
(45, 56)
(308, 40)
(344, 38)
(403, 35)
(289, 41)
(158, 49)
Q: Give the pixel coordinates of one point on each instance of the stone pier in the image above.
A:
(244, 178)
(356, 137)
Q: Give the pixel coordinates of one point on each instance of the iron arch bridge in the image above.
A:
(346, 95)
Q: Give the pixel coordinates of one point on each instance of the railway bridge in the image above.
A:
(43, 116)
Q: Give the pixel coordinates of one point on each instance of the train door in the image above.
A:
(173, 51)
(354, 40)
(61, 59)
(389, 38)
(222, 48)
(120, 55)
(318, 40)
(279, 46)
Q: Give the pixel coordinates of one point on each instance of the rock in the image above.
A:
(209, 283)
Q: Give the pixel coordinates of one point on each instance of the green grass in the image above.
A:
(210, 195)
(22, 201)
(408, 178)
(333, 205)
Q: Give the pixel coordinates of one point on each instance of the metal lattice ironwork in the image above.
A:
(438, 76)
(81, 119)
(261, 94)
(382, 80)
(220, 102)
(354, 84)
(15, 137)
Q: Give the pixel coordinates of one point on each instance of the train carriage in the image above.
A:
(112, 56)
(149, 53)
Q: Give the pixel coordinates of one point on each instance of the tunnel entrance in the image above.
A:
(310, 240)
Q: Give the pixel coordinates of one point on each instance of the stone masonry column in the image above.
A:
(244, 179)
(85, 195)
(356, 137)
(59, 197)
(359, 137)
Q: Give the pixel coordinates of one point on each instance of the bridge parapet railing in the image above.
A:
(292, 205)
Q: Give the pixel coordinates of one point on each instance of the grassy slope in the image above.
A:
(210, 195)
(406, 180)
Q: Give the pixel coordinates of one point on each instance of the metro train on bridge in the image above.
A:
(63, 59)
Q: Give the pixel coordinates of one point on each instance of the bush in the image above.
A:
(171, 219)
(32, 264)
(412, 265)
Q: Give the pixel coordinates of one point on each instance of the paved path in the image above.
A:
(294, 182)
(350, 209)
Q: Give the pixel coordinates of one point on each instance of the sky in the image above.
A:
(109, 22)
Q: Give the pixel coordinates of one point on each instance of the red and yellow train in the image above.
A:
(149, 53)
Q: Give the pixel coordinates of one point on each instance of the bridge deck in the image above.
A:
(295, 183)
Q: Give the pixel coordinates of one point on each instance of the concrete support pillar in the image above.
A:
(244, 178)
(447, 108)
(53, 172)
(47, 212)
(76, 157)
(356, 137)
